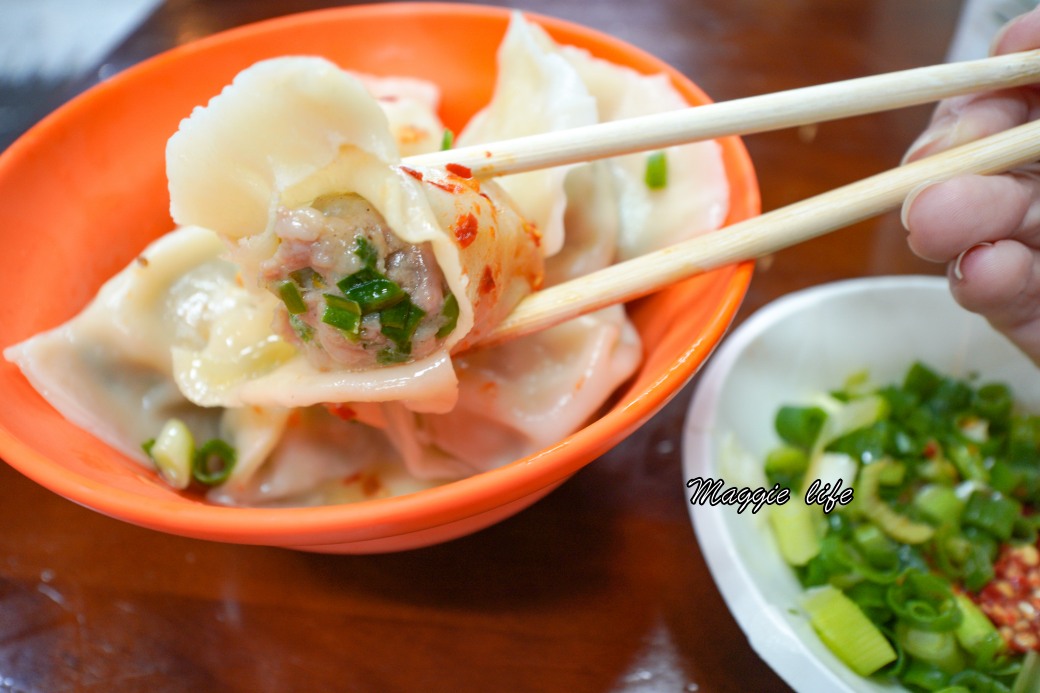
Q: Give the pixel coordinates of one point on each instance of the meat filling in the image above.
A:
(354, 295)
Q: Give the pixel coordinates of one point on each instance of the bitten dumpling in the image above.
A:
(375, 264)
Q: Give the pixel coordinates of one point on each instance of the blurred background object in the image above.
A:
(51, 50)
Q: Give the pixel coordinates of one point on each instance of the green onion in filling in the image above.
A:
(344, 314)
(364, 250)
(301, 328)
(399, 323)
(371, 290)
(447, 139)
(290, 294)
(450, 313)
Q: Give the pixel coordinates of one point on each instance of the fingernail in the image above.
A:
(937, 132)
(904, 213)
(957, 263)
(994, 44)
(997, 37)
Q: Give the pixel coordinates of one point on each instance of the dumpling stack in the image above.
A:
(317, 309)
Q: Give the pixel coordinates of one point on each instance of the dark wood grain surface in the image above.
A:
(599, 587)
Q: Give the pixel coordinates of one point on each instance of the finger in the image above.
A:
(945, 218)
(1020, 34)
(1002, 282)
(964, 119)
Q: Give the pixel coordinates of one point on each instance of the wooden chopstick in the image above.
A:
(764, 234)
(742, 116)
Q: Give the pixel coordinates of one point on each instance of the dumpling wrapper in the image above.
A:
(410, 106)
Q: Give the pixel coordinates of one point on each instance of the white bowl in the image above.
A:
(806, 343)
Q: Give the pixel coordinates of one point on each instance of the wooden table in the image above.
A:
(599, 587)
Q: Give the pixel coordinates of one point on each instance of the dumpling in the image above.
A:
(519, 397)
(529, 98)
(536, 91)
(375, 264)
(695, 198)
(109, 369)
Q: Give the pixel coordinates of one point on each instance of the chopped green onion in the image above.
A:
(876, 546)
(399, 323)
(172, 451)
(371, 290)
(972, 681)
(786, 464)
(794, 526)
(899, 527)
(800, 426)
(922, 381)
(976, 633)
(290, 294)
(925, 602)
(992, 513)
(447, 140)
(656, 170)
(913, 544)
(307, 278)
(213, 462)
(364, 250)
(1028, 679)
(939, 503)
(938, 649)
(846, 630)
(924, 676)
(344, 314)
(304, 331)
(450, 314)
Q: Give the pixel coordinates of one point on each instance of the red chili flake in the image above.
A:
(1011, 599)
(142, 260)
(465, 229)
(487, 282)
(460, 170)
(341, 411)
(417, 175)
(931, 449)
(448, 187)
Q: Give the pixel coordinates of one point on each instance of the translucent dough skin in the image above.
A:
(289, 131)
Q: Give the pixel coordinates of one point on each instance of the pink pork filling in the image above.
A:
(319, 247)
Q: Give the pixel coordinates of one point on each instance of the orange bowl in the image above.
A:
(85, 190)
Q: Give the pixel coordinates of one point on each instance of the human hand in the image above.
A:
(987, 228)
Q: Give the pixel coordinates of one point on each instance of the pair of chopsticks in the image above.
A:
(772, 231)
